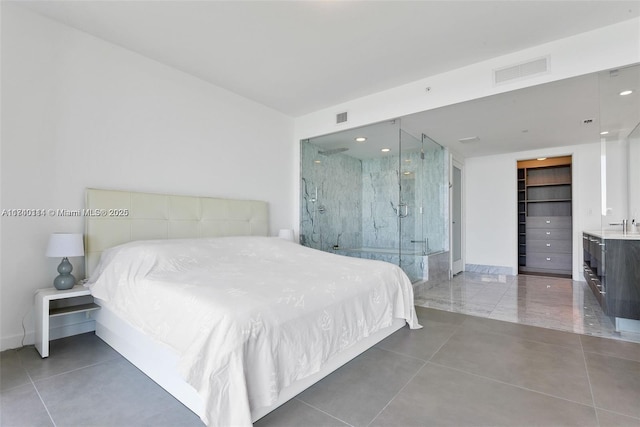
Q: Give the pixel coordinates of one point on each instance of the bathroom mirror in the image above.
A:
(634, 176)
(620, 146)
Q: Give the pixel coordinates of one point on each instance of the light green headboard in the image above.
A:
(116, 217)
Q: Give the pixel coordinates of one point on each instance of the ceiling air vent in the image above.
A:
(341, 117)
(526, 69)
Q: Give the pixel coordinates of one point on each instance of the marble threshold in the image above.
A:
(548, 302)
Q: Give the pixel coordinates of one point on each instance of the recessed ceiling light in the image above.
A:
(317, 161)
(541, 158)
(604, 132)
(469, 139)
(360, 139)
(386, 150)
(626, 92)
(407, 173)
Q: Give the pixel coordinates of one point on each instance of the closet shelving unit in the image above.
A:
(544, 216)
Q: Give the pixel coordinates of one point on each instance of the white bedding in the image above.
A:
(249, 315)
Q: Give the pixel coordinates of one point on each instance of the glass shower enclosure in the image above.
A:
(376, 192)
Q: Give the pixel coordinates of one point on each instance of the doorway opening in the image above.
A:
(545, 216)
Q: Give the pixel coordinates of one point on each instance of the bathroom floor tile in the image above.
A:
(547, 302)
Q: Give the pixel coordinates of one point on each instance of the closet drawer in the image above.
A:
(552, 222)
(549, 246)
(549, 261)
(549, 234)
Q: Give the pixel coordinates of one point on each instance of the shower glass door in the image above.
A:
(413, 245)
(374, 192)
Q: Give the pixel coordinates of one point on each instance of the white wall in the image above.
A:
(491, 204)
(78, 112)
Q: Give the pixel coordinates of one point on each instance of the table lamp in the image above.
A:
(65, 245)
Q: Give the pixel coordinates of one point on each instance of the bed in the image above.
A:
(231, 322)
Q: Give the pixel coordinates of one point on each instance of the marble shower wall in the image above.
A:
(423, 186)
(348, 204)
(379, 202)
(335, 217)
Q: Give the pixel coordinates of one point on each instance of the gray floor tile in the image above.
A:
(172, 416)
(440, 396)
(109, 391)
(421, 343)
(611, 419)
(21, 406)
(532, 333)
(112, 393)
(456, 306)
(610, 347)
(359, 390)
(296, 413)
(12, 374)
(441, 316)
(552, 369)
(615, 383)
(67, 354)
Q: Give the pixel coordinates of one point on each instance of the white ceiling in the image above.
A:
(538, 117)
(561, 113)
(301, 56)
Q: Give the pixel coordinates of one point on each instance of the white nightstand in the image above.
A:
(65, 302)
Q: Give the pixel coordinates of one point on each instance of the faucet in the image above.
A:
(623, 224)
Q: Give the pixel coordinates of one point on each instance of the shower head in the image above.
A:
(332, 151)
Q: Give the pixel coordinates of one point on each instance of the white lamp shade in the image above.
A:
(65, 245)
(286, 234)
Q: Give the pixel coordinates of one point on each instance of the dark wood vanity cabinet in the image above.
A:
(612, 270)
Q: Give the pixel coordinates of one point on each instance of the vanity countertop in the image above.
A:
(615, 234)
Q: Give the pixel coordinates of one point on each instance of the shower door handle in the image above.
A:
(406, 210)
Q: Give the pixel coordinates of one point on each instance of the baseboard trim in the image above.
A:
(489, 269)
(16, 341)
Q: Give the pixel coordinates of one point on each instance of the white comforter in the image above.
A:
(249, 315)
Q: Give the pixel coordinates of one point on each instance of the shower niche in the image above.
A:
(377, 192)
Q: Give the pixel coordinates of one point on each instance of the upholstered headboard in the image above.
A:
(116, 217)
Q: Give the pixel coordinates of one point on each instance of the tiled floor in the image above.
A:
(531, 300)
(457, 370)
